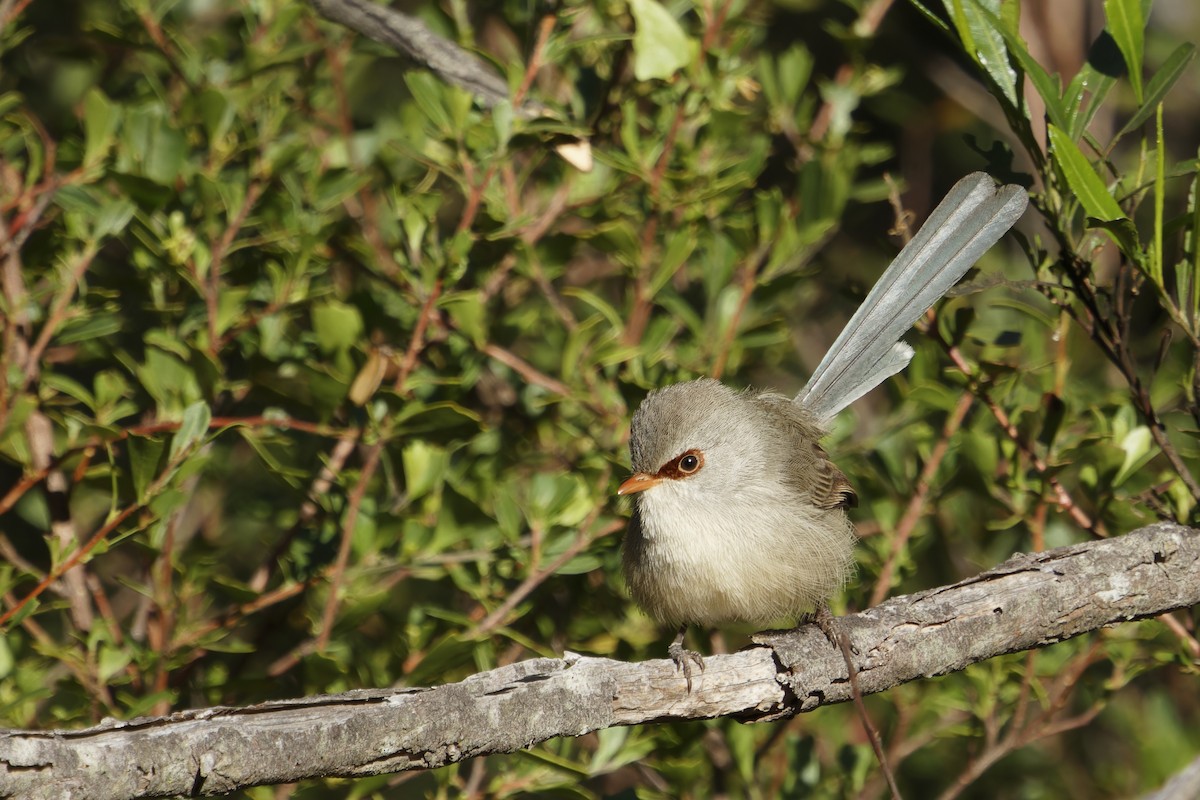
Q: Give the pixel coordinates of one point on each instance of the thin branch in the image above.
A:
(530, 373)
(411, 36)
(912, 514)
(1062, 497)
(212, 285)
(337, 576)
(582, 541)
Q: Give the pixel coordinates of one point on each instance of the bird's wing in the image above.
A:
(805, 464)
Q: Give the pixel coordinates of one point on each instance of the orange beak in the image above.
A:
(638, 482)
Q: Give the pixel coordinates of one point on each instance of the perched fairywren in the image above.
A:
(738, 514)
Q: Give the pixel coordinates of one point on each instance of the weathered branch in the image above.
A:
(413, 38)
(1029, 601)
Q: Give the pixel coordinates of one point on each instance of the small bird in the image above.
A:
(738, 513)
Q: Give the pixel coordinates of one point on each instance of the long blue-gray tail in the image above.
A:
(971, 218)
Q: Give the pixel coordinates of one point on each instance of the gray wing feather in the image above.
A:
(971, 218)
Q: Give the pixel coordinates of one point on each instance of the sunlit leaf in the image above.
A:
(1085, 183)
(1127, 26)
(660, 47)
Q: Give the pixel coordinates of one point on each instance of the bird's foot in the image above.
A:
(824, 619)
(684, 659)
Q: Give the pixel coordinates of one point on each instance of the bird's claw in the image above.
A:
(684, 659)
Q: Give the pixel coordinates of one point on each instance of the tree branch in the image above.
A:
(1029, 601)
(411, 36)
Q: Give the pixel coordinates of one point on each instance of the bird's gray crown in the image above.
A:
(697, 414)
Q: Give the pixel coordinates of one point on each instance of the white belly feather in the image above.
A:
(685, 564)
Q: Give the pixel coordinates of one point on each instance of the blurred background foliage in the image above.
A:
(317, 374)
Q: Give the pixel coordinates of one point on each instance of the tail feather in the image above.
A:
(971, 218)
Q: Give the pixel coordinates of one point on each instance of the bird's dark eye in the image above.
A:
(689, 463)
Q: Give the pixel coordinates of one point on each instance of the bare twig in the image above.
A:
(212, 285)
(39, 433)
(912, 513)
(526, 370)
(532, 581)
(338, 573)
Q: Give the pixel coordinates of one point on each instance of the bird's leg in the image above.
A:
(823, 618)
(683, 657)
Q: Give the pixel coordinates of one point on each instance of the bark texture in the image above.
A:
(1029, 601)
(413, 38)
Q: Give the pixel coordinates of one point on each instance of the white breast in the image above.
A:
(754, 557)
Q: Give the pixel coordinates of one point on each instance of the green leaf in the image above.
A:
(468, 313)
(502, 119)
(1125, 234)
(660, 47)
(151, 147)
(425, 468)
(429, 94)
(113, 218)
(70, 387)
(1083, 181)
(337, 326)
(216, 111)
(110, 387)
(1084, 96)
(795, 71)
(192, 428)
(6, 660)
(1047, 86)
(111, 661)
(144, 457)
(1136, 446)
(983, 34)
(170, 381)
(680, 246)
(99, 123)
(1162, 82)
(931, 17)
(1128, 29)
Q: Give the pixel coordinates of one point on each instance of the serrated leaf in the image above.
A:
(1084, 182)
(931, 17)
(660, 47)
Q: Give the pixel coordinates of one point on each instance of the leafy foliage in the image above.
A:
(317, 374)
